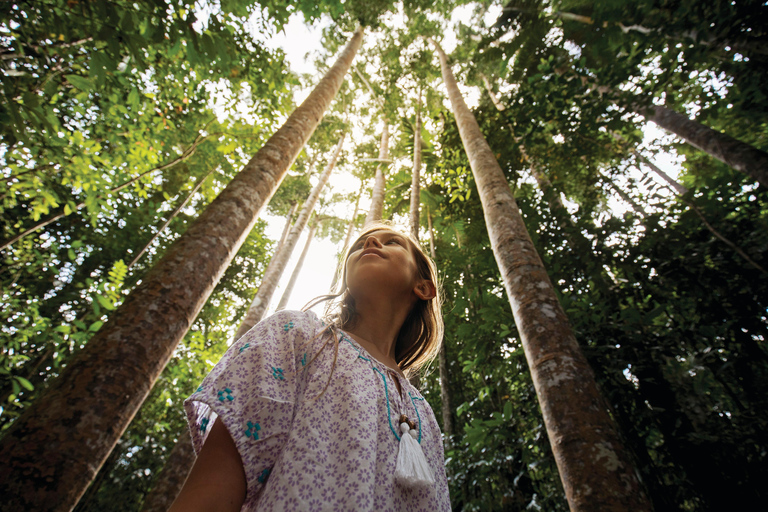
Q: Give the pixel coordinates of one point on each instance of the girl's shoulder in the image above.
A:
(304, 322)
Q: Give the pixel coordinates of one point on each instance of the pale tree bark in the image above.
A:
(351, 225)
(596, 472)
(636, 207)
(676, 186)
(347, 238)
(415, 190)
(287, 227)
(739, 155)
(170, 218)
(494, 99)
(297, 270)
(376, 210)
(276, 266)
(445, 392)
(52, 452)
(171, 479)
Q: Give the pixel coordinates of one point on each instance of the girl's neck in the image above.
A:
(377, 333)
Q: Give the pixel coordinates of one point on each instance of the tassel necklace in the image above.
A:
(411, 469)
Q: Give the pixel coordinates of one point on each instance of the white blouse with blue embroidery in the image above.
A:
(305, 446)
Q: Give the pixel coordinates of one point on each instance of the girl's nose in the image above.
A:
(372, 241)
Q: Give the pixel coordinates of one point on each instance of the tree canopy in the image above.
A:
(114, 112)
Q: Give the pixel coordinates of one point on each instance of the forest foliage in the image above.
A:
(113, 111)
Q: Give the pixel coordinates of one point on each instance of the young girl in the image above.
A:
(302, 414)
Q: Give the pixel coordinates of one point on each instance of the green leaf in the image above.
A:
(81, 83)
(95, 326)
(105, 302)
(134, 97)
(24, 382)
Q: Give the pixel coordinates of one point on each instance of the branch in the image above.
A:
(185, 155)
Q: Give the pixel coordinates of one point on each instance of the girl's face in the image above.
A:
(382, 262)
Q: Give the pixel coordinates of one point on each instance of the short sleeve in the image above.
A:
(253, 391)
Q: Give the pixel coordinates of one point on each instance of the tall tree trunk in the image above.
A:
(347, 237)
(296, 271)
(170, 218)
(494, 99)
(594, 467)
(52, 452)
(636, 207)
(171, 479)
(678, 188)
(739, 155)
(445, 392)
(287, 227)
(277, 265)
(376, 210)
(415, 190)
(555, 202)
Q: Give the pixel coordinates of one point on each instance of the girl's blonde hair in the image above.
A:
(420, 336)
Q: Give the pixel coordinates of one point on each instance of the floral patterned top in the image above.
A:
(311, 435)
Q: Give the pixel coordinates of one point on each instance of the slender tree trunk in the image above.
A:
(351, 225)
(52, 452)
(277, 265)
(739, 155)
(171, 479)
(296, 271)
(347, 238)
(287, 227)
(678, 188)
(636, 207)
(415, 190)
(494, 99)
(594, 467)
(376, 210)
(170, 218)
(445, 391)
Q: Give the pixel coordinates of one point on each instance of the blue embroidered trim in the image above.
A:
(199, 389)
(225, 394)
(277, 373)
(263, 476)
(389, 413)
(253, 430)
(359, 354)
(244, 347)
(204, 424)
(287, 327)
(386, 392)
(304, 360)
(418, 416)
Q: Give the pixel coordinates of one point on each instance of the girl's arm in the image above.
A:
(217, 480)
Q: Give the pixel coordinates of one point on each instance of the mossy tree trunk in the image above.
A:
(54, 450)
(279, 261)
(376, 211)
(596, 472)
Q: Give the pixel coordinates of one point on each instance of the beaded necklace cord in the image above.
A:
(386, 391)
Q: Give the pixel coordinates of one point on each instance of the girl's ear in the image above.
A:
(425, 290)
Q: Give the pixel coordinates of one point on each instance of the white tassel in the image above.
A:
(412, 468)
